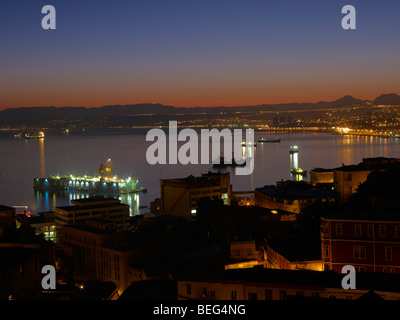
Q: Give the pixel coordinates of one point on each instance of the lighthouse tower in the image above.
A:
(294, 158)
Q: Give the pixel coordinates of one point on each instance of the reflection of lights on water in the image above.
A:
(48, 202)
(42, 158)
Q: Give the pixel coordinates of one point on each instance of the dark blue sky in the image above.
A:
(189, 52)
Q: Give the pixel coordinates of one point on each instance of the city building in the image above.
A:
(294, 252)
(20, 269)
(22, 256)
(7, 220)
(272, 284)
(346, 179)
(321, 176)
(179, 196)
(243, 198)
(100, 252)
(244, 253)
(84, 209)
(44, 224)
(291, 196)
(367, 240)
(242, 248)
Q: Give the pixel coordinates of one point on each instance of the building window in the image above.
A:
(212, 294)
(237, 253)
(357, 230)
(252, 296)
(249, 252)
(268, 294)
(359, 252)
(233, 294)
(370, 230)
(339, 229)
(300, 293)
(397, 231)
(204, 292)
(382, 231)
(326, 251)
(282, 294)
(315, 295)
(188, 288)
(388, 253)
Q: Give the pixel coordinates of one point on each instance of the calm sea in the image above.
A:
(80, 154)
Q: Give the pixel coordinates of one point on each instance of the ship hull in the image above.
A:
(268, 141)
(85, 185)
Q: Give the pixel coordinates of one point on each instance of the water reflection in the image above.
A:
(42, 158)
(48, 201)
(296, 173)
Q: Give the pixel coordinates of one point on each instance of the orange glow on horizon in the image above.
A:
(182, 101)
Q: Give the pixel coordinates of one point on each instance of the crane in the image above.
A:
(107, 167)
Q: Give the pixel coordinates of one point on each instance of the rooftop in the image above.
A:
(297, 247)
(94, 200)
(388, 282)
(2, 207)
(92, 203)
(321, 170)
(207, 179)
(90, 228)
(373, 214)
(369, 164)
(294, 190)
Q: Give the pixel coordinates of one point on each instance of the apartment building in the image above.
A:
(179, 196)
(370, 241)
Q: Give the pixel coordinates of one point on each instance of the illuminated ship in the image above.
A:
(262, 140)
(105, 183)
(29, 136)
(40, 135)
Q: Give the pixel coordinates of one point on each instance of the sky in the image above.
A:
(190, 53)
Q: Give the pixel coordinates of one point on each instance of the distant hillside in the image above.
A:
(45, 115)
(33, 115)
(388, 99)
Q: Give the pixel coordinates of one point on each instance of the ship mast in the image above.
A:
(107, 166)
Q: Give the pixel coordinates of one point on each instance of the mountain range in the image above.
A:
(28, 115)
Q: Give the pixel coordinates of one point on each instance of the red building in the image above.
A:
(369, 241)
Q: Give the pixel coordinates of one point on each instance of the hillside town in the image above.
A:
(201, 240)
